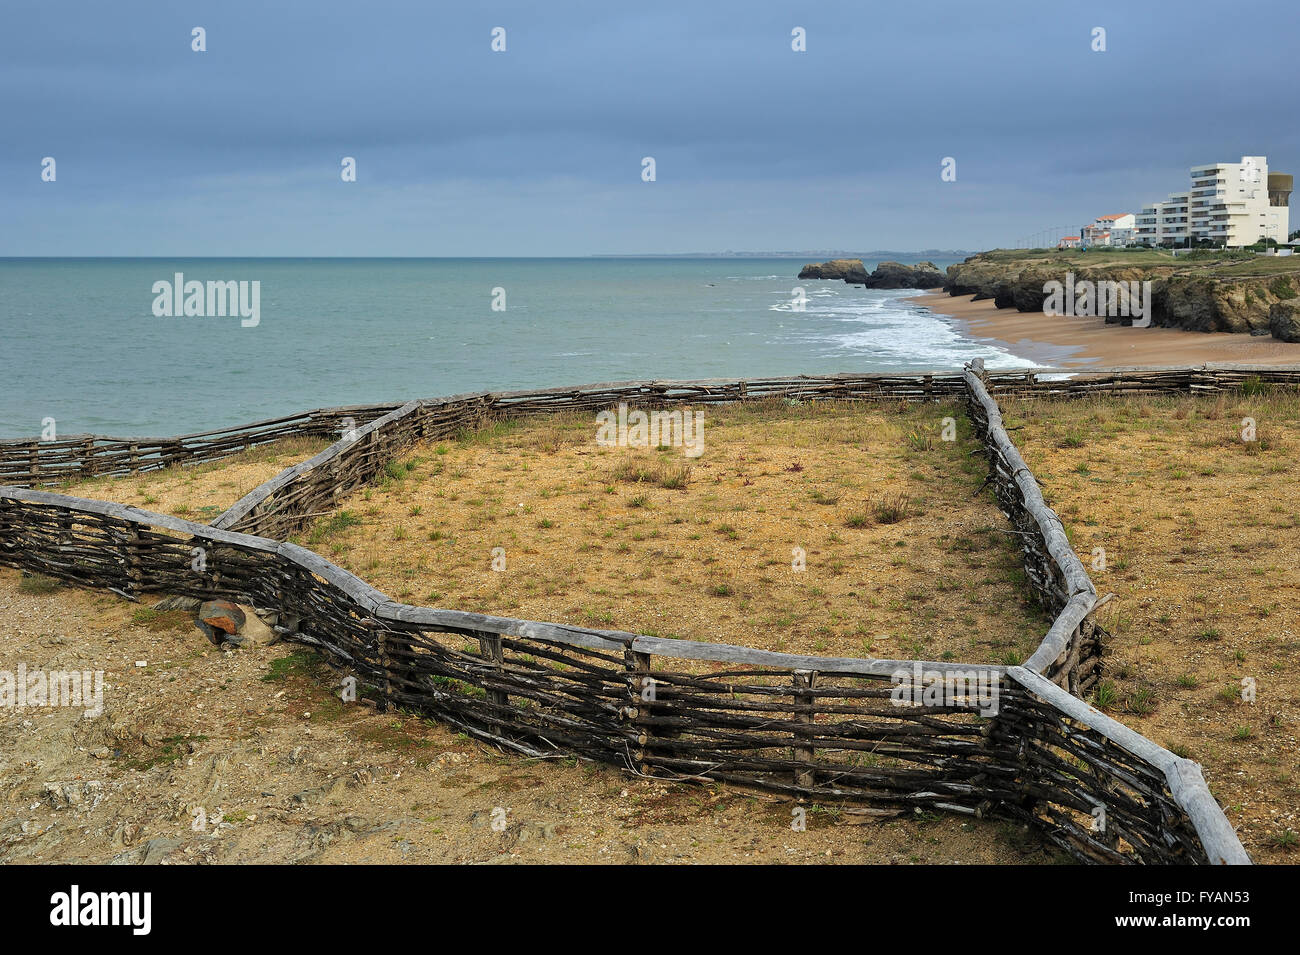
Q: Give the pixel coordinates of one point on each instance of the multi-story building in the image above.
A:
(1172, 217)
(1163, 223)
(1230, 204)
(1110, 230)
(1147, 230)
(1121, 227)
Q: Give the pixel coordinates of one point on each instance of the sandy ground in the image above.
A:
(210, 756)
(1060, 341)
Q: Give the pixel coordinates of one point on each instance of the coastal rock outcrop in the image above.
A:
(898, 275)
(1181, 297)
(850, 270)
(887, 275)
(1284, 320)
(978, 277)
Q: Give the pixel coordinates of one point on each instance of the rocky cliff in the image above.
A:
(1182, 296)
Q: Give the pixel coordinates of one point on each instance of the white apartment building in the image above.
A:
(1147, 229)
(1232, 204)
(1172, 217)
(1163, 222)
(1110, 230)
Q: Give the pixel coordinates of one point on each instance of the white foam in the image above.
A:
(880, 326)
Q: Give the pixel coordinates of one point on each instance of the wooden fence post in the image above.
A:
(490, 645)
(381, 639)
(134, 575)
(807, 714)
(641, 694)
(1072, 661)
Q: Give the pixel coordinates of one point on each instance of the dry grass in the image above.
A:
(201, 492)
(902, 559)
(1201, 539)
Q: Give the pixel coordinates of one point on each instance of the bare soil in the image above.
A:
(284, 772)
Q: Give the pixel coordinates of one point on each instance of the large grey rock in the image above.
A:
(891, 275)
(222, 615)
(1284, 320)
(849, 270)
(897, 275)
(77, 794)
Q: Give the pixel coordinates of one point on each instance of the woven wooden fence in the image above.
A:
(293, 499)
(1072, 383)
(36, 463)
(819, 728)
(1070, 653)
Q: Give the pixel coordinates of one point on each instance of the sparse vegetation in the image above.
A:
(1209, 539)
(774, 475)
(38, 584)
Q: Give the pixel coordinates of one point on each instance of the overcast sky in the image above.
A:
(538, 150)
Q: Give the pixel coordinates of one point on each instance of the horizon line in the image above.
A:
(589, 255)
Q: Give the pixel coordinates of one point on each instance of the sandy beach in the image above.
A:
(1063, 342)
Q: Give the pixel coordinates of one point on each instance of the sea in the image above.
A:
(95, 345)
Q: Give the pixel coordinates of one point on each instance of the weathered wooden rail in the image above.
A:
(36, 463)
(1050, 383)
(1070, 653)
(810, 727)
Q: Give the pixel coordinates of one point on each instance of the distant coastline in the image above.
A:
(999, 298)
(1061, 341)
(797, 254)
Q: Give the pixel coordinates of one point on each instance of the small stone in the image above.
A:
(222, 615)
(155, 850)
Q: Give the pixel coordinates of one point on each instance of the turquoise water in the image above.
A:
(81, 343)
